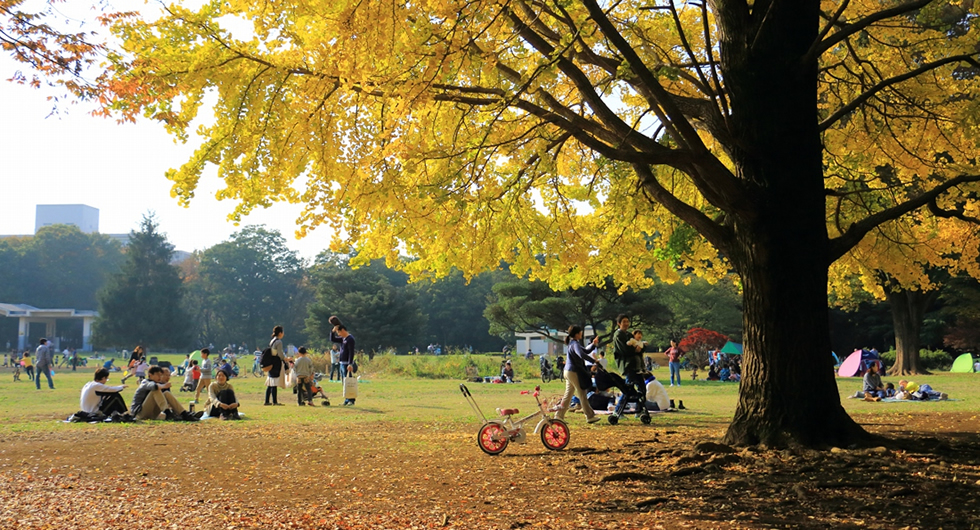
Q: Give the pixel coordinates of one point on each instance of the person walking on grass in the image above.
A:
(576, 371)
(340, 335)
(44, 363)
(206, 368)
(134, 361)
(303, 372)
(28, 365)
(274, 377)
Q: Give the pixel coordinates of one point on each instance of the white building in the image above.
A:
(86, 218)
(538, 344)
(34, 323)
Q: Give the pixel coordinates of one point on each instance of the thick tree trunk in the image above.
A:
(788, 393)
(908, 311)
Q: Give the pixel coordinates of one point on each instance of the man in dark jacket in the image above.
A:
(629, 361)
(340, 335)
(151, 399)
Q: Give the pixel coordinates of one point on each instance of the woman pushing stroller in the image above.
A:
(577, 377)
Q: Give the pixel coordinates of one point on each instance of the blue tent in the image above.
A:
(732, 348)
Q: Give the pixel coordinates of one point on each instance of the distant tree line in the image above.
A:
(235, 292)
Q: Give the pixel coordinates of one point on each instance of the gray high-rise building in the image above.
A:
(84, 217)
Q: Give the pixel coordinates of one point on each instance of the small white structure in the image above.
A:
(86, 218)
(540, 345)
(28, 315)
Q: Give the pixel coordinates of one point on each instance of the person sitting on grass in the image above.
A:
(923, 392)
(507, 373)
(890, 391)
(221, 398)
(151, 401)
(871, 389)
(98, 396)
(656, 395)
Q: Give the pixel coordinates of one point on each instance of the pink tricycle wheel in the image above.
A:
(555, 435)
(492, 439)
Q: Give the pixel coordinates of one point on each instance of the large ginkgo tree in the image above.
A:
(578, 139)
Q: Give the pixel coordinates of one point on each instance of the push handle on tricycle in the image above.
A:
(472, 402)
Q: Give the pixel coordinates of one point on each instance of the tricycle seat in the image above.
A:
(507, 412)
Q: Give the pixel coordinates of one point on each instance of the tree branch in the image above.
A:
(885, 83)
(841, 244)
(958, 213)
(850, 29)
(830, 25)
(718, 185)
(719, 236)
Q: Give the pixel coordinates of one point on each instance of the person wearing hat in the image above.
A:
(507, 373)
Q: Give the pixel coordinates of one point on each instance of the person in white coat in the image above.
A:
(98, 396)
(656, 395)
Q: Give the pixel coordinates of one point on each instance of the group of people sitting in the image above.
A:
(723, 372)
(873, 390)
(153, 399)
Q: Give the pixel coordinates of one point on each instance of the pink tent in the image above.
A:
(851, 366)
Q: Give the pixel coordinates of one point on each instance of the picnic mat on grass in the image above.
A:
(893, 400)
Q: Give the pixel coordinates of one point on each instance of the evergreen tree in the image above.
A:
(379, 312)
(528, 305)
(142, 303)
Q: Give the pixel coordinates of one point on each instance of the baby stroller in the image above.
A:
(316, 391)
(547, 374)
(634, 397)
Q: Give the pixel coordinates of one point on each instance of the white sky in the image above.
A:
(75, 158)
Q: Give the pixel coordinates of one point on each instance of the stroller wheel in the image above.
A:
(326, 403)
(613, 419)
(645, 419)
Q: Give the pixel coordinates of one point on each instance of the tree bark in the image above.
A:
(788, 392)
(908, 311)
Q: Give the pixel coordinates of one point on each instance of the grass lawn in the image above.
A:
(406, 457)
(400, 400)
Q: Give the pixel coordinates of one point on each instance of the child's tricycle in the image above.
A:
(495, 434)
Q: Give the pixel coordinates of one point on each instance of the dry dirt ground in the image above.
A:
(237, 475)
